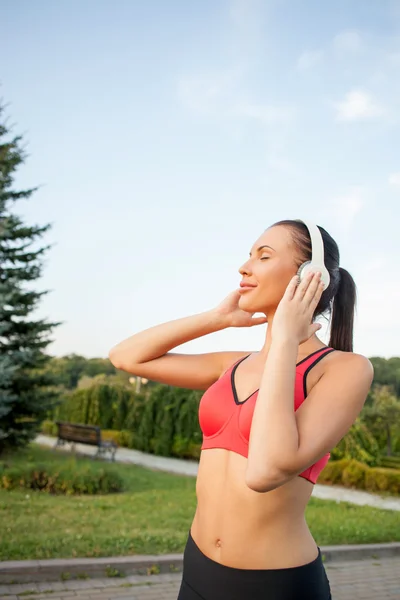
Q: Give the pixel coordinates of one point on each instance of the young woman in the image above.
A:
(269, 419)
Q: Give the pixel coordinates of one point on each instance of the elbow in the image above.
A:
(267, 479)
(265, 482)
(261, 487)
(115, 358)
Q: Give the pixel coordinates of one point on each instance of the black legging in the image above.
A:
(206, 579)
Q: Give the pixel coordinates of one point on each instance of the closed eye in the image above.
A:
(264, 257)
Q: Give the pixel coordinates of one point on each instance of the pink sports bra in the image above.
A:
(226, 422)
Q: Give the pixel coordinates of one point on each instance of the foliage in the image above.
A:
(73, 477)
(387, 372)
(391, 462)
(69, 369)
(25, 389)
(358, 444)
(354, 474)
(164, 419)
(382, 416)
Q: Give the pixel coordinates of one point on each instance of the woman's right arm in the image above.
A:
(147, 353)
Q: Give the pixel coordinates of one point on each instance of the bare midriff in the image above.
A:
(244, 529)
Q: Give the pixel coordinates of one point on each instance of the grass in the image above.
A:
(152, 516)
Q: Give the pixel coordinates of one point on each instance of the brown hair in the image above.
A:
(338, 300)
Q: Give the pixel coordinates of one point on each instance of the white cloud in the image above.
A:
(394, 179)
(357, 105)
(309, 59)
(348, 42)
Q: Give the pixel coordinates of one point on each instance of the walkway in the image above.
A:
(189, 467)
(353, 580)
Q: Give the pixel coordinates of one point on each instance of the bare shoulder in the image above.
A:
(230, 358)
(351, 366)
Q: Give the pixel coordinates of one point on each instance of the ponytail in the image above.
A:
(342, 320)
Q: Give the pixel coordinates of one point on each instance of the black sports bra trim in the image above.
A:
(327, 350)
(310, 367)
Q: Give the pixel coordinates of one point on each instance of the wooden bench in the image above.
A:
(75, 433)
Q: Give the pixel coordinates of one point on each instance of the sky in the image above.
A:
(165, 137)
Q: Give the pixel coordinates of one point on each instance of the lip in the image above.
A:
(245, 287)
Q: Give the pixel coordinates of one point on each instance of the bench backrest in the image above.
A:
(74, 432)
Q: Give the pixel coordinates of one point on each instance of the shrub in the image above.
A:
(70, 478)
(332, 472)
(354, 474)
(49, 428)
(379, 480)
(390, 462)
(358, 444)
(121, 438)
(100, 404)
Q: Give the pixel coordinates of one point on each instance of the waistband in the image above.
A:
(252, 574)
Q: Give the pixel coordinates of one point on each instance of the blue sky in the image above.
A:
(166, 136)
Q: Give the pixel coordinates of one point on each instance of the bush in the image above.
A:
(352, 473)
(70, 478)
(391, 462)
(358, 444)
(101, 404)
(48, 428)
(332, 472)
(383, 480)
(122, 438)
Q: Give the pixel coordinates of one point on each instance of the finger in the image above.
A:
(311, 307)
(314, 328)
(304, 284)
(291, 288)
(259, 321)
(312, 290)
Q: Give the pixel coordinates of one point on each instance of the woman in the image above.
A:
(262, 452)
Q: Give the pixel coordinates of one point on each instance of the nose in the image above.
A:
(245, 268)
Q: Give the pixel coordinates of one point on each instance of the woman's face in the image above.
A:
(269, 269)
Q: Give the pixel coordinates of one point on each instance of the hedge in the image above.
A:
(165, 422)
(69, 479)
(354, 474)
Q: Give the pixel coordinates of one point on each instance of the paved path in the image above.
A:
(189, 467)
(354, 580)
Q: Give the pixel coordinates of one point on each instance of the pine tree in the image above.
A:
(25, 392)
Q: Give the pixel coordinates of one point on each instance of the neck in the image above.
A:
(304, 349)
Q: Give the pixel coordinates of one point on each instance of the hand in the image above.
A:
(235, 316)
(293, 317)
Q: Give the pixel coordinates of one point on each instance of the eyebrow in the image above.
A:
(261, 247)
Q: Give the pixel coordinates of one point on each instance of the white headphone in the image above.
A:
(317, 255)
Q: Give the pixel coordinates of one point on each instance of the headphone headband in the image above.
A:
(317, 262)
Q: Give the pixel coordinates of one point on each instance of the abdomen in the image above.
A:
(241, 528)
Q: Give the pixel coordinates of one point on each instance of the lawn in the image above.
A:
(152, 516)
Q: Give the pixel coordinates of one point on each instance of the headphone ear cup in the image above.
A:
(305, 268)
(302, 270)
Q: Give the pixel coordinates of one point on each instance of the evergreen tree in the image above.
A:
(25, 392)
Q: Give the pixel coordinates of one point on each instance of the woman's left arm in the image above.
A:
(284, 442)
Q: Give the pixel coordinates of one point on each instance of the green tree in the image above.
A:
(25, 393)
(383, 417)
